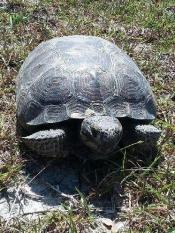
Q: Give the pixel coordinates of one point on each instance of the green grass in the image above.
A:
(52, 222)
(148, 186)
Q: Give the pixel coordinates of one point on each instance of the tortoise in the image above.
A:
(83, 90)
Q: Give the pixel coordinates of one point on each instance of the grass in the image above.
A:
(52, 222)
(146, 31)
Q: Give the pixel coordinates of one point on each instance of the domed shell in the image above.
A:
(73, 76)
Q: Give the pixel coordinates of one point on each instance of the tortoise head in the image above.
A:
(101, 133)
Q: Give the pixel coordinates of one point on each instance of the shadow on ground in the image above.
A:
(57, 182)
(47, 184)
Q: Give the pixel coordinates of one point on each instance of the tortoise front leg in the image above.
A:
(148, 134)
(50, 143)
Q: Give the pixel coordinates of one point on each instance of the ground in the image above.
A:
(140, 186)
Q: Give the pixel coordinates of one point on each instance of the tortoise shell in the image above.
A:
(74, 76)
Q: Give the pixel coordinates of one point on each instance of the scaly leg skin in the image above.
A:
(49, 143)
(148, 134)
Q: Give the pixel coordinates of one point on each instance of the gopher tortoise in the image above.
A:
(77, 92)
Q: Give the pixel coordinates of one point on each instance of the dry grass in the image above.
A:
(146, 31)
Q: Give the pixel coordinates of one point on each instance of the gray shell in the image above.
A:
(74, 76)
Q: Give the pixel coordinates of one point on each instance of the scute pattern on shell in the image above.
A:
(69, 76)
